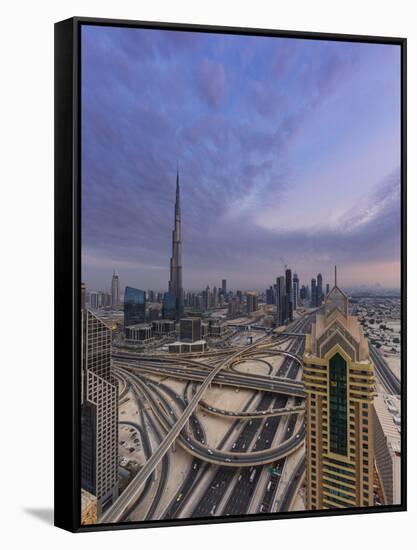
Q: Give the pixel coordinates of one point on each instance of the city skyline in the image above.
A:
(227, 369)
(176, 266)
(283, 189)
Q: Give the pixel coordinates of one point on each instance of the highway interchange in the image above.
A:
(244, 473)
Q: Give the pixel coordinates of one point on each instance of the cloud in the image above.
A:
(212, 82)
(378, 210)
(235, 118)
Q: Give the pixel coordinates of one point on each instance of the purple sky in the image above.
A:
(288, 150)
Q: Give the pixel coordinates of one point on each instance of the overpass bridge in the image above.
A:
(127, 498)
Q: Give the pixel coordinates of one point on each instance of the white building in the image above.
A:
(387, 443)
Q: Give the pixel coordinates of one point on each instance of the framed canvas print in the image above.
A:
(230, 274)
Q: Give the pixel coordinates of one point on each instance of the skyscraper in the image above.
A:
(319, 290)
(190, 329)
(134, 306)
(251, 302)
(215, 297)
(313, 299)
(303, 295)
(339, 384)
(289, 293)
(93, 299)
(281, 301)
(175, 280)
(115, 290)
(99, 413)
(233, 307)
(224, 288)
(169, 306)
(296, 290)
(206, 295)
(270, 295)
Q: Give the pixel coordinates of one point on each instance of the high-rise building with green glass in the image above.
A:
(339, 383)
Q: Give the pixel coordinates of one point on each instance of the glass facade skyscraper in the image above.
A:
(339, 381)
(289, 294)
(99, 413)
(169, 306)
(134, 306)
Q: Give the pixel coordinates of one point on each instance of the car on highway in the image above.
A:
(210, 452)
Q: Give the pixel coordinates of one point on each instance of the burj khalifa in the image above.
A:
(175, 281)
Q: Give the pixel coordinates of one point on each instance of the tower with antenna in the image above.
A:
(175, 279)
(115, 290)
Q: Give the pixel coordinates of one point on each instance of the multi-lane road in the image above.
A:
(384, 373)
(242, 458)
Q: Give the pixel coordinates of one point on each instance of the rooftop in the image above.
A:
(182, 343)
(139, 326)
(389, 417)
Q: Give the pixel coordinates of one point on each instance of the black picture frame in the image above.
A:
(68, 270)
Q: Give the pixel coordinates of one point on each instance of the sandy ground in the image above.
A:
(216, 426)
(253, 366)
(394, 363)
(227, 397)
(127, 437)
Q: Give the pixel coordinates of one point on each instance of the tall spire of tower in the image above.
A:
(175, 280)
(335, 275)
(115, 289)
